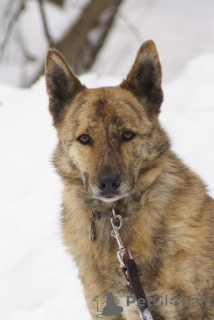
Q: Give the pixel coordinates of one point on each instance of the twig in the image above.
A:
(9, 29)
(6, 13)
(131, 27)
(51, 43)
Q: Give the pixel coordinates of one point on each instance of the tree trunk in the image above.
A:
(84, 40)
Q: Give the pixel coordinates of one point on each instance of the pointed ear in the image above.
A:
(144, 79)
(62, 85)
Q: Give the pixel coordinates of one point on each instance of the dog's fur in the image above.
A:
(168, 217)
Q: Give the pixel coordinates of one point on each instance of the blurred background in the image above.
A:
(99, 39)
(101, 36)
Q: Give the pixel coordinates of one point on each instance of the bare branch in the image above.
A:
(45, 25)
(10, 27)
(84, 39)
(131, 27)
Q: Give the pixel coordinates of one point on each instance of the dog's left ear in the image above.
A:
(144, 79)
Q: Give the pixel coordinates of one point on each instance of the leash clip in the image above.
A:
(122, 251)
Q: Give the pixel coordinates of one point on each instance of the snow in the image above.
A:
(38, 278)
(188, 115)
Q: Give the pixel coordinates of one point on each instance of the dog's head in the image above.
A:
(109, 138)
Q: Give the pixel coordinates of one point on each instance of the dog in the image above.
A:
(112, 153)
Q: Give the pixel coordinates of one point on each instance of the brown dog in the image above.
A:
(113, 153)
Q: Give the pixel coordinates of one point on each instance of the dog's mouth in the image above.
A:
(122, 192)
(108, 188)
(109, 198)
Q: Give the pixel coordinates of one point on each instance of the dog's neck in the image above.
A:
(105, 208)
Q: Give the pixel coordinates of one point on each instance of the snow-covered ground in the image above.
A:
(38, 280)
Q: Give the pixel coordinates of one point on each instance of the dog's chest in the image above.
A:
(104, 254)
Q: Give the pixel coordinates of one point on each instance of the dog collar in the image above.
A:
(92, 230)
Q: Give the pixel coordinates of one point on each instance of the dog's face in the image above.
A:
(104, 132)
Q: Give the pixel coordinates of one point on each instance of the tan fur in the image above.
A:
(168, 217)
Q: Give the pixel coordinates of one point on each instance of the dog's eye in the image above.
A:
(128, 135)
(84, 139)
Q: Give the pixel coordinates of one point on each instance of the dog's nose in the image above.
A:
(108, 182)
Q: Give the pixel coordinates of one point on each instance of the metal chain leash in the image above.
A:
(129, 267)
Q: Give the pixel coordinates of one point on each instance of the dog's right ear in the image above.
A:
(62, 85)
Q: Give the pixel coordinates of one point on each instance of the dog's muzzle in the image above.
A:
(108, 183)
(109, 187)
